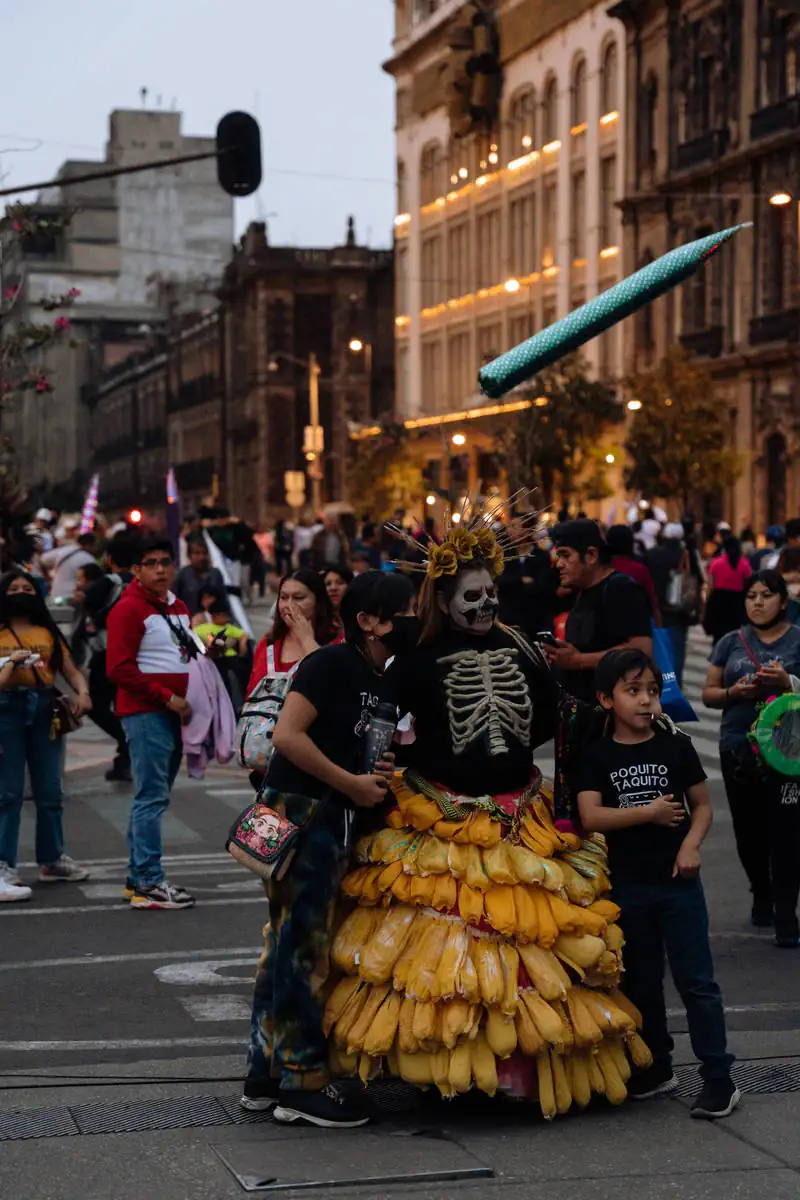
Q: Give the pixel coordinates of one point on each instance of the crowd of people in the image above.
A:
(489, 639)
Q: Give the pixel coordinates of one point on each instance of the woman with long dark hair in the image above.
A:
(749, 665)
(304, 621)
(316, 780)
(338, 578)
(728, 576)
(32, 654)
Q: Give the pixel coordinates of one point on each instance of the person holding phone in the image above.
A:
(747, 667)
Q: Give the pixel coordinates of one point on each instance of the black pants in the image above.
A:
(103, 694)
(765, 808)
(672, 918)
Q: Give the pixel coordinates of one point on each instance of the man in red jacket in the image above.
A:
(149, 647)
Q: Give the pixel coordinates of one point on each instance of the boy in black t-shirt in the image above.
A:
(646, 790)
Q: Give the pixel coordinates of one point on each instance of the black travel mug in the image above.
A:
(379, 735)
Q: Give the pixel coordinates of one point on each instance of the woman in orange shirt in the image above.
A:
(32, 654)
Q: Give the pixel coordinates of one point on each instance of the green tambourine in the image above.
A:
(764, 728)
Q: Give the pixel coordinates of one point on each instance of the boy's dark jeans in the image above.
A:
(672, 917)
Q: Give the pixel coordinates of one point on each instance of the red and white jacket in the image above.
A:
(143, 658)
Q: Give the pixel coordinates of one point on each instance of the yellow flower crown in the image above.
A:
(462, 546)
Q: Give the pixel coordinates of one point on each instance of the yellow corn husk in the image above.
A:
(579, 890)
(449, 829)
(476, 876)
(350, 1013)
(457, 859)
(553, 880)
(602, 884)
(422, 889)
(470, 904)
(527, 865)
(415, 1068)
(389, 845)
(402, 791)
(483, 1063)
(371, 891)
(561, 1088)
(353, 934)
(546, 1020)
(608, 1015)
(476, 1012)
(563, 913)
(422, 975)
(579, 1082)
(529, 1038)
(358, 1031)
(377, 959)
(615, 1090)
(589, 922)
(499, 865)
(486, 957)
(338, 999)
(609, 963)
(559, 1007)
(404, 963)
(341, 1064)
(535, 840)
(546, 922)
(617, 1052)
(447, 973)
(394, 820)
(614, 938)
(500, 912)
(380, 1036)
(409, 855)
(540, 966)
(509, 961)
(440, 1071)
(586, 951)
(420, 812)
(432, 855)
(596, 1079)
(362, 849)
(607, 909)
(406, 1040)
(587, 1032)
(388, 875)
(483, 831)
(627, 1006)
(459, 1074)
(445, 893)
(639, 1052)
(455, 1021)
(501, 1033)
(525, 909)
(423, 1024)
(401, 888)
(547, 1095)
(353, 883)
(467, 984)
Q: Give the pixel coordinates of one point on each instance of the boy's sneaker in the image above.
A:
(11, 886)
(655, 1081)
(161, 895)
(260, 1095)
(330, 1109)
(718, 1098)
(129, 889)
(63, 870)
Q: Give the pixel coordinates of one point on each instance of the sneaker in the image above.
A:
(718, 1098)
(64, 870)
(330, 1109)
(655, 1081)
(11, 886)
(161, 895)
(129, 889)
(761, 914)
(118, 774)
(260, 1095)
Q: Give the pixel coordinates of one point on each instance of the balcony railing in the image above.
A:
(702, 149)
(706, 342)
(194, 391)
(783, 326)
(775, 118)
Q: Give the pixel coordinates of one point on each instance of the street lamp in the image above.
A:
(314, 434)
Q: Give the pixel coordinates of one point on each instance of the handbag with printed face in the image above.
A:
(263, 841)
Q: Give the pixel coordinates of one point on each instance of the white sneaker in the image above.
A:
(62, 871)
(10, 889)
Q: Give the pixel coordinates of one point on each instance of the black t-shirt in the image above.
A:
(628, 776)
(481, 705)
(344, 691)
(602, 617)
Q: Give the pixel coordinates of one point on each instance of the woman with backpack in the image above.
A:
(304, 621)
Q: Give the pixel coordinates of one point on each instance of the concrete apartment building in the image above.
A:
(500, 232)
(130, 242)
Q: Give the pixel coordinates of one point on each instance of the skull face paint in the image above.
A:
(474, 604)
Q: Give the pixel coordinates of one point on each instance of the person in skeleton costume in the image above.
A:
(483, 950)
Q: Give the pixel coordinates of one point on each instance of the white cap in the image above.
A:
(673, 530)
(44, 514)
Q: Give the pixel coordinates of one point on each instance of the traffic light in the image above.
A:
(135, 517)
(238, 154)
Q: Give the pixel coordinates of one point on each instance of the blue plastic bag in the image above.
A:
(673, 701)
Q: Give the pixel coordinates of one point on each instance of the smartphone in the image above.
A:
(546, 638)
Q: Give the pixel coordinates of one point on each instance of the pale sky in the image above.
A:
(309, 70)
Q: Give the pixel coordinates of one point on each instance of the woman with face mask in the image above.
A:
(32, 654)
(749, 666)
(316, 779)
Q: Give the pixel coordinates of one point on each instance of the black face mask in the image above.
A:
(20, 604)
(403, 636)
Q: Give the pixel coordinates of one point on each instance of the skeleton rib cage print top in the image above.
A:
(481, 706)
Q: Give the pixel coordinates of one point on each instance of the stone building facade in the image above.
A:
(712, 139)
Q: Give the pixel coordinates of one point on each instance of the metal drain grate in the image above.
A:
(757, 1078)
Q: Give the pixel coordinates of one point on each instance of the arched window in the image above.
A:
(402, 197)
(579, 93)
(608, 80)
(550, 111)
(431, 182)
(522, 122)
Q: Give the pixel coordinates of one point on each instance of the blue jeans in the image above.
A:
(156, 747)
(25, 718)
(672, 917)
